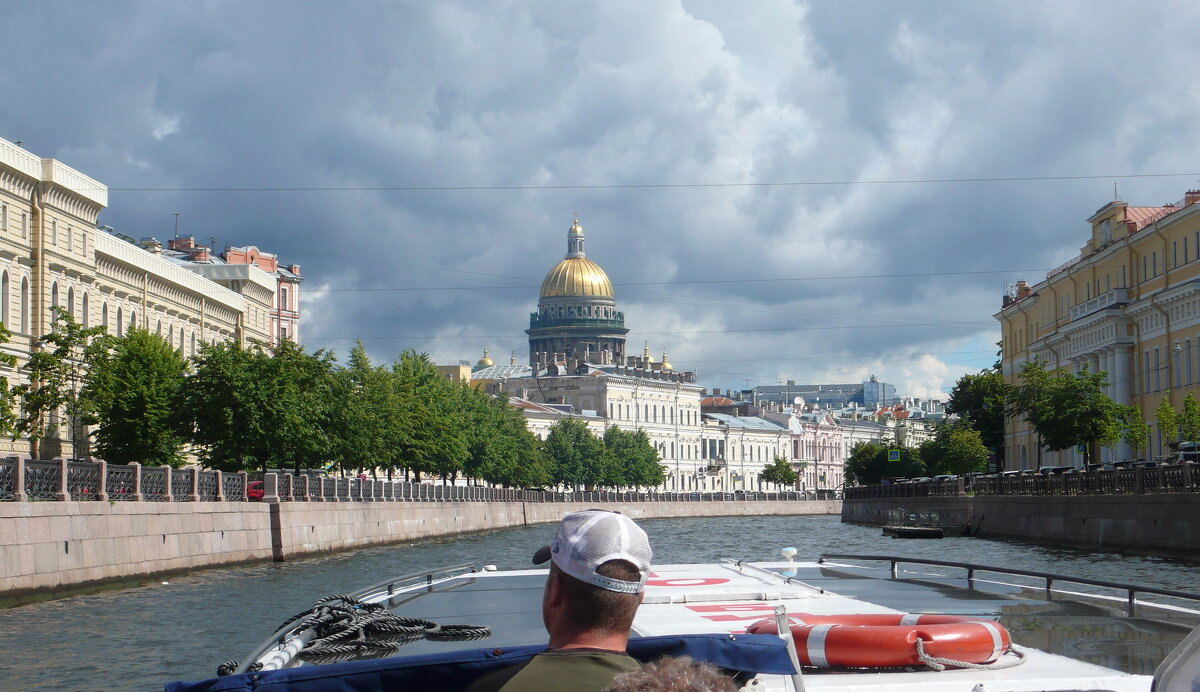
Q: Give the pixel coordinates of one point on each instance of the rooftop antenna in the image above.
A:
(19, 142)
(177, 225)
(1116, 197)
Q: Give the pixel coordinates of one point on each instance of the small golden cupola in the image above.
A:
(484, 362)
(666, 363)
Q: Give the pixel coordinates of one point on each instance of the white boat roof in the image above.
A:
(729, 597)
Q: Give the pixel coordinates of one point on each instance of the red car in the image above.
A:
(254, 491)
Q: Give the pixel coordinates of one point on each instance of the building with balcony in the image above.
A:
(1128, 305)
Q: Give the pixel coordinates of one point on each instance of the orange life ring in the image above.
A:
(890, 641)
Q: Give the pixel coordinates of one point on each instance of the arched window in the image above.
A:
(171, 334)
(5, 298)
(193, 349)
(120, 323)
(104, 316)
(132, 319)
(24, 305)
(158, 328)
(83, 314)
(71, 301)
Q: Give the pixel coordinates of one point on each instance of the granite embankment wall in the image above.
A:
(1148, 524)
(50, 546)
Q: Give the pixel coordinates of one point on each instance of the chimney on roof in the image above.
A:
(1023, 289)
(152, 246)
(1191, 197)
(294, 268)
(182, 243)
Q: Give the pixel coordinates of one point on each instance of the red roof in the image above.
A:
(1143, 216)
(716, 401)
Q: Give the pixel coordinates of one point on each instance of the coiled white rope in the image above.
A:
(941, 663)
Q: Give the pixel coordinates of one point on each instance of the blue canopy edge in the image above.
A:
(454, 670)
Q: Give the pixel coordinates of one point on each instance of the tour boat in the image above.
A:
(849, 623)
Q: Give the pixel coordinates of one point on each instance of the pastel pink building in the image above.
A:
(284, 313)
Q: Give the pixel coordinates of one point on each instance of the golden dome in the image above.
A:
(484, 362)
(666, 363)
(576, 276)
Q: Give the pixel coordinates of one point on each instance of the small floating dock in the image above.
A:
(926, 523)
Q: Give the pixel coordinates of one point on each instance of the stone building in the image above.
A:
(53, 254)
(1127, 305)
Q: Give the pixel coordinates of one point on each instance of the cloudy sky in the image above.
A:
(778, 190)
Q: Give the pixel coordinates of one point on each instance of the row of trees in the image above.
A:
(245, 408)
(956, 448)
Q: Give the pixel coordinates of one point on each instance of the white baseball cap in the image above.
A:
(586, 540)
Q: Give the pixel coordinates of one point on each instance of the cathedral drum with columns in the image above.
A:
(577, 316)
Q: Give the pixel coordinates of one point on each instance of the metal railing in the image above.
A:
(90, 481)
(1131, 590)
(1183, 478)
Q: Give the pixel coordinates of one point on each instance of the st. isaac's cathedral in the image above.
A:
(578, 366)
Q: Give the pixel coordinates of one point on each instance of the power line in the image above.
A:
(640, 333)
(689, 282)
(653, 186)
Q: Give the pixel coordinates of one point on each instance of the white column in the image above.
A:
(1121, 386)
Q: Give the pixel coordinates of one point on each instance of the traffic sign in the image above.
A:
(893, 455)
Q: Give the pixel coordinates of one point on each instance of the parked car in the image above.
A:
(1185, 451)
(254, 491)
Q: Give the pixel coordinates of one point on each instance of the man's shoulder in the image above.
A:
(566, 669)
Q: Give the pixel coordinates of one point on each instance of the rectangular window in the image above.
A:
(1187, 355)
(1157, 371)
(1174, 254)
(1154, 263)
(3, 218)
(1146, 373)
(1145, 268)
(283, 298)
(1178, 375)
(1185, 251)
(1107, 283)
(53, 232)
(24, 225)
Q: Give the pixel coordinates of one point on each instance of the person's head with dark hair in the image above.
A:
(669, 674)
(599, 562)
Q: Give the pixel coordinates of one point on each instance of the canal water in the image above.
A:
(140, 637)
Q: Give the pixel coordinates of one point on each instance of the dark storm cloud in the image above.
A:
(900, 278)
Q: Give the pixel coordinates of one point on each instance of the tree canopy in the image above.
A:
(779, 472)
(979, 399)
(1067, 409)
(956, 448)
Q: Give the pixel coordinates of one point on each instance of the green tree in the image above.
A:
(1168, 419)
(365, 408)
(518, 460)
(955, 448)
(427, 430)
(868, 463)
(227, 404)
(629, 460)
(1137, 431)
(979, 399)
(779, 472)
(133, 393)
(301, 405)
(55, 372)
(1067, 409)
(575, 455)
(1189, 422)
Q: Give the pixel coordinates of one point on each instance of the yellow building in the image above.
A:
(52, 254)
(1128, 305)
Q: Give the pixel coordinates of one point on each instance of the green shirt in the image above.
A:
(570, 670)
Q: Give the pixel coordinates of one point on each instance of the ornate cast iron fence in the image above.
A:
(43, 480)
(206, 486)
(83, 480)
(8, 479)
(233, 487)
(154, 483)
(181, 485)
(121, 483)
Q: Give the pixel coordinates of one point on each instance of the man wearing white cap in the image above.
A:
(599, 562)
